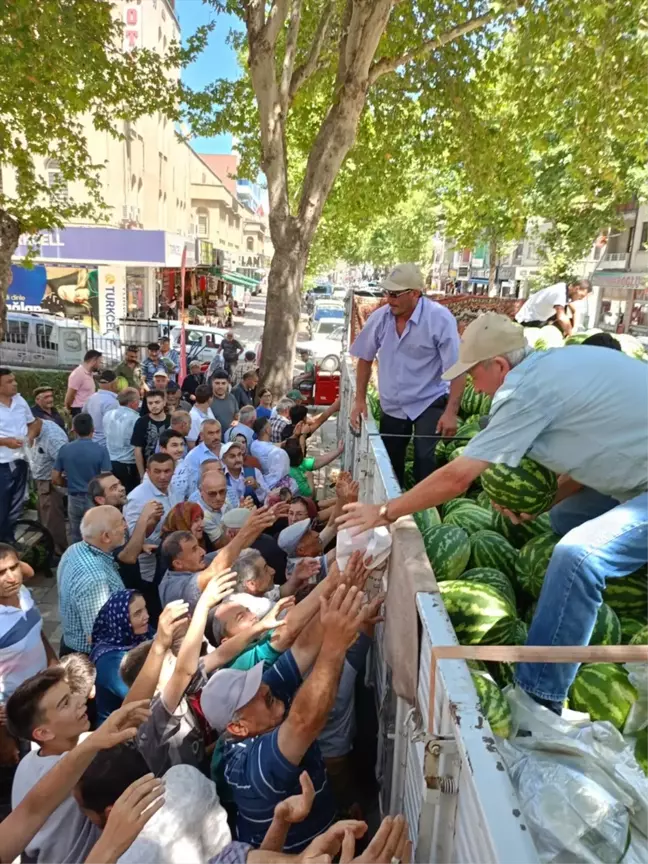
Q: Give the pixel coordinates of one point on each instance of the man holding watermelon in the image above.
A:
(578, 412)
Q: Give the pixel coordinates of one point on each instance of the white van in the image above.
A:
(47, 342)
(202, 342)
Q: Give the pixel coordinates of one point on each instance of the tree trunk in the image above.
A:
(283, 307)
(492, 268)
(9, 236)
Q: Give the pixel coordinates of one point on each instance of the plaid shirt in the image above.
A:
(42, 455)
(277, 425)
(241, 369)
(86, 578)
(149, 368)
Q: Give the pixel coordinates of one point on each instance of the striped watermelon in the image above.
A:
(603, 691)
(456, 453)
(449, 506)
(448, 550)
(409, 475)
(479, 613)
(641, 636)
(520, 633)
(641, 749)
(529, 488)
(465, 432)
(440, 454)
(628, 596)
(470, 517)
(630, 345)
(532, 563)
(607, 630)
(427, 519)
(373, 403)
(490, 549)
(484, 501)
(530, 612)
(470, 400)
(520, 534)
(489, 576)
(629, 627)
(494, 704)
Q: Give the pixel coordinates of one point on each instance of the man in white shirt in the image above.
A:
(104, 400)
(118, 428)
(51, 502)
(18, 428)
(211, 495)
(209, 448)
(243, 481)
(200, 411)
(552, 305)
(173, 443)
(274, 460)
(155, 486)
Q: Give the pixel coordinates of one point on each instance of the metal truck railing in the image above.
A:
(437, 764)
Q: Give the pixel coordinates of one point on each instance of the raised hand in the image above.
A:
(170, 622)
(390, 843)
(326, 846)
(297, 807)
(271, 621)
(305, 569)
(218, 588)
(355, 573)
(341, 617)
(371, 614)
(120, 726)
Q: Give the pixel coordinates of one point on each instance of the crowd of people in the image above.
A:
(207, 634)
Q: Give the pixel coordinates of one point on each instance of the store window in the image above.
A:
(56, 181)
(203, 222)
(250, 244)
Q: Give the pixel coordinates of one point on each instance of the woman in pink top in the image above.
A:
(81, 383)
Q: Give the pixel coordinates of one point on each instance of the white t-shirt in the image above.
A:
(190, 828)
(197, 419)
(14, 420)
(68, 836)
(22, 653)
(540, 306)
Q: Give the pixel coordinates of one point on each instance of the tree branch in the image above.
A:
(344, 35)
(289, 56)
(304, 71)
(390, 64)
(275, 20)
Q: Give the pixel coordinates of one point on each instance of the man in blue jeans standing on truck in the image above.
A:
(580, 411)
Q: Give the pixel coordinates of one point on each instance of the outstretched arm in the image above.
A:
(327, 458)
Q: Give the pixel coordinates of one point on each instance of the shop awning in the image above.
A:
(239, 279)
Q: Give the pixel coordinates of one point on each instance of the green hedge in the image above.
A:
(29, 379)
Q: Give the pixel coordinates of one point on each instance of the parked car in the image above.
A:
(204, 342)
(328, 334)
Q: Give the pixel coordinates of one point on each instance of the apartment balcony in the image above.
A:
(615, 261)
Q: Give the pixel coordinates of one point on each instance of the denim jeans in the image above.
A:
(608, 546)
(579, 508)
(77, 506)
(13, 483)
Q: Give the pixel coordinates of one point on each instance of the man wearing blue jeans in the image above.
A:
(18, 428)
(580, 411)
(76, 464)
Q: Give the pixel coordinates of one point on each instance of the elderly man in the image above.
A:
(129, 368)
(175, 402)
(553, 305)
(247, 416)
(245, 391)
(155, 486)
(211, 495)
(275, 462)
(101, 402)
(299, 541)
(169, 358)
(43, 407)
(267, 746)
(118, 430)
(209, 448)
(87, 575)
(181, 423)
(279, 419)
(415, 340)
(18, 427)
(151, 364)
(51, 504)
(242, 481)
(561, 408)
(194, 379)
(249, 364)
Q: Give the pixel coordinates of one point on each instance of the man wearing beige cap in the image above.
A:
(580, 411)
(415, 340)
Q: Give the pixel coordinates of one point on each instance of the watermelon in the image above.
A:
(520, 534)
(629, 627)
(576, 338)
(607, 630)
(484, 501)
(479, 613)
(603, 691)
(641, 749)
(489, 576)
(530, 612)
(427, 519)
(121, 383)
(628, 596)
(409, 475)
(529, 488)
(449, 506)
(464, 433)
(456, 453)
(520, 633)
(440, 454)
(470, 400)
(640, 637)
(470, 517)
(448, 550)
(532, 563)
(490, 549)
(630, 345)
(494, 704)
(502, 673)
(548, 337)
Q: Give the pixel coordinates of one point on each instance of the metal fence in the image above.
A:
(436, 764)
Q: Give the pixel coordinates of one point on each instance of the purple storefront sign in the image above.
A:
(98, 245)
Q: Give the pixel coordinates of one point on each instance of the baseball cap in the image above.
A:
(106, 377)
(295, 395)
(236, 518)
(290, 538)
(484, 338)
(404, 277)
(228, 446)
(161, 372)
(226, 691)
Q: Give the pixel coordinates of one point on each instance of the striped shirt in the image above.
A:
(277, 425)
(86, 578)
(42, 454)
(260, 776)
(22, 653)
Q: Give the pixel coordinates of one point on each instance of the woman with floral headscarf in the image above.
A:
(122, 623)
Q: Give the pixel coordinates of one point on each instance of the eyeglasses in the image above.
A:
(394, 295)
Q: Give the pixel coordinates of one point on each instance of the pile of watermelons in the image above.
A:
(490, 573)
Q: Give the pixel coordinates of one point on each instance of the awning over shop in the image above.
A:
(240, 279)
(616, 279)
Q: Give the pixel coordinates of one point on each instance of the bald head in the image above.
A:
(103, 527)
(213, 489)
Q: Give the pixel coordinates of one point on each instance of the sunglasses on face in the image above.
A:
(394, 295)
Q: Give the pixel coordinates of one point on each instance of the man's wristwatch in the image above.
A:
(384, 514)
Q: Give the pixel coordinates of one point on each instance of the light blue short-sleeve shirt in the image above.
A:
(579, 410)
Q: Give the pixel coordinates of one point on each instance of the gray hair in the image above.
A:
(247, 415)
(128, 395)
(97, 521)
(284, 404)
(245, 568)
(211, 421)
(515, 357)
(179, 415)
